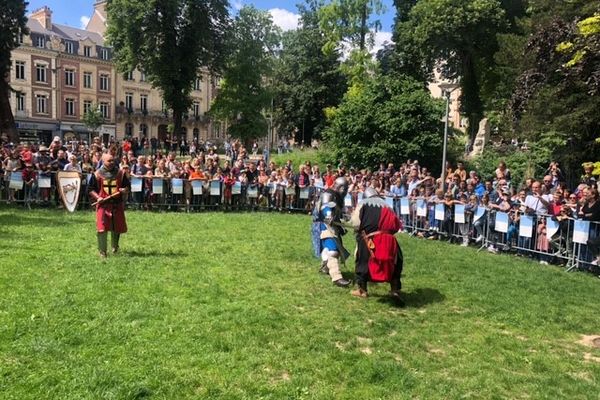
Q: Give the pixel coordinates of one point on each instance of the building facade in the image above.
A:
(59, 72)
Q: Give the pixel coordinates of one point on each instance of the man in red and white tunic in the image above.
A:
(108, 188)
(378, 254)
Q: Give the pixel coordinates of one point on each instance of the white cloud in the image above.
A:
(84, 20)
(284, 19)
(238, 5)
(380, 39)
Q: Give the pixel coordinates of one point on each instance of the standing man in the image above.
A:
(108, 189)
(328, 216)
(378, 254)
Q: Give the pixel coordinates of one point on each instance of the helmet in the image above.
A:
(370, 192)
(341, 186)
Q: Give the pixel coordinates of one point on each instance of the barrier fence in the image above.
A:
(566, 241)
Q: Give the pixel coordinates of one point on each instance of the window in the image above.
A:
(41, 101)
(40, 71)
(87, 106)
(40, 41)
(87, 80)
(68, 47)
(20, 101)
(104, 54)
(87, 51)
(198, 84)
(143, 129)
(196, 108)
(142, 77)
(70, 107)
(20, 69)
(129, 129)
(69, 77)
(20, 37)
(104, 82)
(129, 101)
(104, 109)
(128, 76)
(144, 102)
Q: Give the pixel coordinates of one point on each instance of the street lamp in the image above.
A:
(447, 89)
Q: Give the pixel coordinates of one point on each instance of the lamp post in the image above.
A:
(447, 89)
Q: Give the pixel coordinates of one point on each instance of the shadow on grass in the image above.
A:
(418, 298)
(151, 253)
(21, 217)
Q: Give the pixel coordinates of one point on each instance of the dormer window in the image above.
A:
(40, 41)
(69, 47)
(87, 51)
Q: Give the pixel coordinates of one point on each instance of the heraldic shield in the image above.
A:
(69, 185)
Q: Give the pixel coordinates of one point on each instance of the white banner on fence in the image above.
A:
(581, 231)
(526, 226)
(479, 211)
(196, 187)
(459, 214)
(439, 212)
(16, 180)
(348, 201)
(157, 186)
(177, 185)
(236, 188)
(136, 184)
(390, 202)
(404, 206)
(304, 193)
(501, 222)
(551, 227)
(421, 208)
(253, 191)
(215, 188)
(44, 182)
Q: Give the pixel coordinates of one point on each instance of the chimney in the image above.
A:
(43, 16)
(100, 6)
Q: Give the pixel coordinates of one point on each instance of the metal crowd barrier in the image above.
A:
(541, 237)
(564, 241)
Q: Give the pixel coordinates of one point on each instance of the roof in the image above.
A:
(65, 32)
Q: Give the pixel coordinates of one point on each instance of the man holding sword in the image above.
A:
(108, 189)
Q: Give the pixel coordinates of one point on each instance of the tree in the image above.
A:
(307, 81)
(390, 119)
(12, 26)
(459, 37)
(93, 119)
(244, 93)
(170, 40)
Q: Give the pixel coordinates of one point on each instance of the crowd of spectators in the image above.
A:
(246, 179)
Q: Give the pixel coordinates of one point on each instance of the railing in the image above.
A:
(565, 241)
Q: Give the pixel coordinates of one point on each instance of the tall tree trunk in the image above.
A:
(470, 101)
(177, 119)
(363, 27)
(7, 120)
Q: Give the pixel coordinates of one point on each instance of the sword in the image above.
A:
(112, 196)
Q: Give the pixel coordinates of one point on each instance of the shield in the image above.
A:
(69, 185)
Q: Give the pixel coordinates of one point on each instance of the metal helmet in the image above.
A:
(341, 186)
(370, 192)
(327, 198)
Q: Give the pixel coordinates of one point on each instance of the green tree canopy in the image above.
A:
(12, 25)
(244, 93)
(170, 40)
(307, 81)
(391, 119)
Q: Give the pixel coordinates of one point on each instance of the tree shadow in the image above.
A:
(150, 253)
(418, 298)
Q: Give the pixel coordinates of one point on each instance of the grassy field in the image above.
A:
(230, 306)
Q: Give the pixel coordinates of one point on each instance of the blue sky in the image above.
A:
(76, 12)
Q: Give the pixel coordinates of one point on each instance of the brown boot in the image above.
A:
(360, 293)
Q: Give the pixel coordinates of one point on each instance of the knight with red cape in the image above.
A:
(378, 255)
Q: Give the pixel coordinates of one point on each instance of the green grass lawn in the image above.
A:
(230, 306)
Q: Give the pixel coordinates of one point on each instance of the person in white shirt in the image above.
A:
(537, 202)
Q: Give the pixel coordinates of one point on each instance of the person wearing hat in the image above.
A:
(108, 189)
(378, 257)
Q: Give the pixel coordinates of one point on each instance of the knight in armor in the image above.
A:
(378, 255)
(327, 224)
(108, 189)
